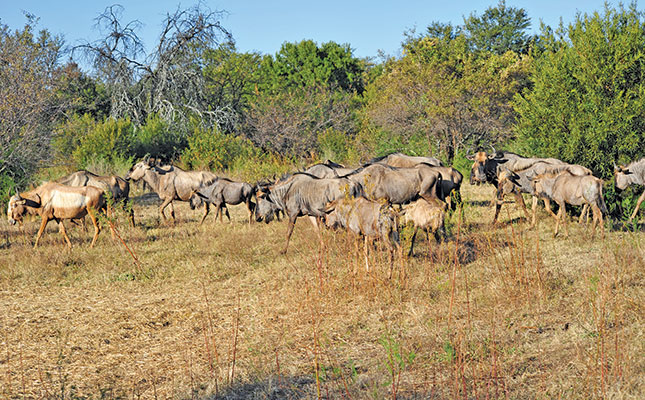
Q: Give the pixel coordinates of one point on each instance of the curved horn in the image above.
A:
(491, 146)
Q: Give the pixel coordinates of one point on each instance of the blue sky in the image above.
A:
(263, 25)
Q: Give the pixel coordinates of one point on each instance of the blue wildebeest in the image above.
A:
(53, 201)
(223, 192)
(632, 174)
(398, 185)
(400, 160)
(488, 169)
(170, 183)
(368, 218)
(302, 194)
(117, 187)
(566, 188)
(328, 169)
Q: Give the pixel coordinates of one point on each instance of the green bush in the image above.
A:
(7, 188)
(157, 139)
(108, 140)
(334, 145)
(212, 149)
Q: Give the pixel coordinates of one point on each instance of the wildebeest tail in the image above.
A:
(601, 202)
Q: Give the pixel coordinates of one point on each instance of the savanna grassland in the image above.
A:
(214, 311)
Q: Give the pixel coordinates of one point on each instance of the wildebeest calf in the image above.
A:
(222, 192)
(368, 218)
(427, 215)
(565, 188)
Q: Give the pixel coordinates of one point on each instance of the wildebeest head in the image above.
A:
(543, 183)
(478, 169)
(484, 168)
(16, 209)
(266, 209)
(623, 176)
(139, 169)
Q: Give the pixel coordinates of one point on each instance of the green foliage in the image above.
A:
(621, 204)
(498, 30)
(158, 139)
(7, 188)
(305, 64)
(587, 100)
(334, 145)
(212, 149)
(109, 140)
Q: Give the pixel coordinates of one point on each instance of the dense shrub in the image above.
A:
(158, 139)
(213, 149)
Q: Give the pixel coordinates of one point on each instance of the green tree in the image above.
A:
(29, 77)
(305, 64)
(499, 29)
(587, 103)
(443, 92)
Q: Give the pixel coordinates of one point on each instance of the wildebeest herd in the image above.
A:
(368, 201)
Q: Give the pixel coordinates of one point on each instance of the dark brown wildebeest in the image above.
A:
(117, 187)
(328, 169)
(400, 160)
(302, 194)
(450, 181)
(426, 215)
(566, 188)
(53, 201)
(368, 218)
(398, 185)
(170, 183)
(632, 174)
(222, 192)
(521, 170)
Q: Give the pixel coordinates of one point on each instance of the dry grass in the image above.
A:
(214, 311)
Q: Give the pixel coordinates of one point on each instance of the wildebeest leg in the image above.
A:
(292, 223)
(534, 202)
(638, 204)
(584, 214)
(130, 211)
(414, 235)
(520, 200)
(43, 224)
(207, 208)
(250, 207)
(557, 219)
(163, 207)
(97, 228)
(172, 211)
(597, 219)
(227, 214)
(498, 206)
(61, 229)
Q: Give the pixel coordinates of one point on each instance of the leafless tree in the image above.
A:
(289, 122)
(168, 81)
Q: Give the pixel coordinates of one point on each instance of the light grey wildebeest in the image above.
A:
(53, 201)
(117, 187)
(328, 169)
(632, 174)
(426, 215)
(170, 183)
(368, 218)
(302, 194)
(400, 160)
(398, 185)
(224, 192)
(566, 188)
